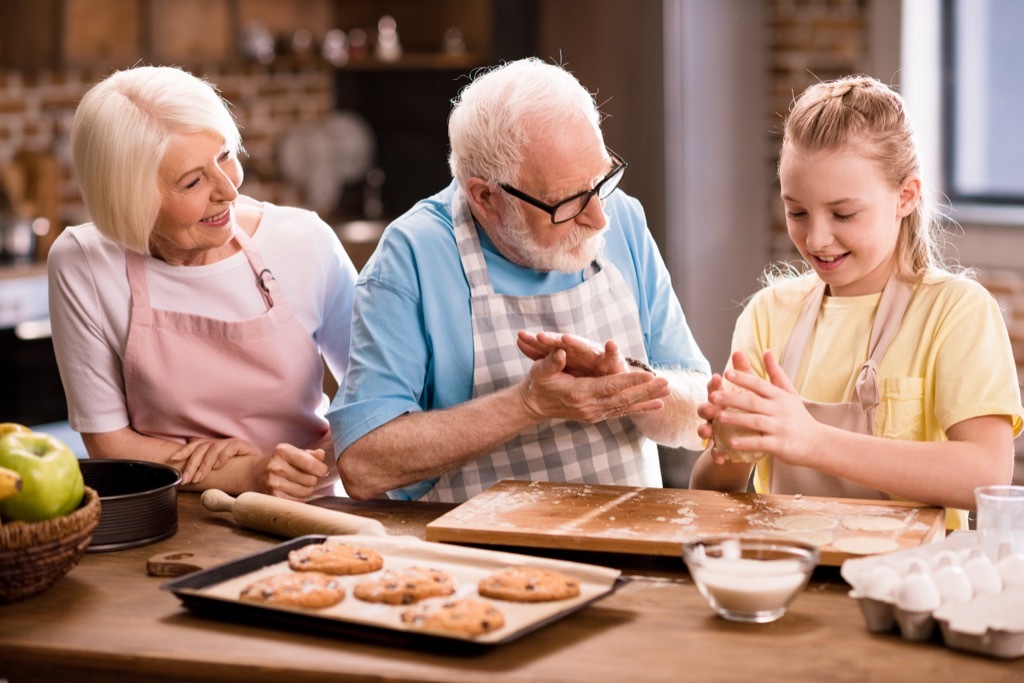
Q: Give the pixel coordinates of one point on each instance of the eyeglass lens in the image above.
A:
(574, 207)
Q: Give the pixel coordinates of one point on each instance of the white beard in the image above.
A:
(573, 253)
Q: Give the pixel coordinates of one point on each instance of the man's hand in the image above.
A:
(583, 358)
(549, 391)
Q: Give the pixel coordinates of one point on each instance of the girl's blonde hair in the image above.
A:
(863, 112)
(119, 137)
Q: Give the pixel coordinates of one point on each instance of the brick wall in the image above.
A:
(809, 41)
(36, 111)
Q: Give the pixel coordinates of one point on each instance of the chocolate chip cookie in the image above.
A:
(466, 617)
(335, 559)
(406, 586)
(529, 584)
(312, 590)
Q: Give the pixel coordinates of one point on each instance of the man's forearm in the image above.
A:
(676, 424)
(423, 445)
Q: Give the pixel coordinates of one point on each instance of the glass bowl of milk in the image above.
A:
(750, 579)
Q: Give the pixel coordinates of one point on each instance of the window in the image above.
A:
(983, 101)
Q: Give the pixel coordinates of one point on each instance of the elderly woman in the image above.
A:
(189, 321)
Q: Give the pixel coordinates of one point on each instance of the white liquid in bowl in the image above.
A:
(750, 590)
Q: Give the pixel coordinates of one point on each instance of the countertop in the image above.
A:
(107, 620)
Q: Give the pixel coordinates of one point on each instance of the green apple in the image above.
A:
(51, 484)
(8, 427)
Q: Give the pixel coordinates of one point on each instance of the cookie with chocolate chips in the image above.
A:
(406, 586)
(529, 584)
(311, 590)
(335, 559)
(466, 617)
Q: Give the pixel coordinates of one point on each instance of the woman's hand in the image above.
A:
(773, 408)
(291, 472)
(201, 456)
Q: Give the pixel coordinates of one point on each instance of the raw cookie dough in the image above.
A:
(871, 523)
(805, 523)
(865, 545)
(815, 538)
(724, 433)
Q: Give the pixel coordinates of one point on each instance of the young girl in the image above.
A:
(879, 374)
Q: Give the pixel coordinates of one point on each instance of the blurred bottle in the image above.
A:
(454, 42)
(389, 47)
(335, 47)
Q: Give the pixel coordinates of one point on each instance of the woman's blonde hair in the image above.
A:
(119, 137)
(863, 112)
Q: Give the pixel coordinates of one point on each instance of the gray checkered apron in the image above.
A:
(602, 307)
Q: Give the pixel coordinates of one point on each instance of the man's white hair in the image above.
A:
(494, 115)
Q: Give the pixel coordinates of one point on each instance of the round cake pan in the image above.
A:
(138, 502)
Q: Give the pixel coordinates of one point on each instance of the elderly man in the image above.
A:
(473, 356)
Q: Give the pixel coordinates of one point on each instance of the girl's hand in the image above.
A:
(201, 456)
(773, 408)
(709, 411)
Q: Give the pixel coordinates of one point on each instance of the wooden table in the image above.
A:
(107, 620)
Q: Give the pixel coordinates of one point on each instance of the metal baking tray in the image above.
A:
(214, 592)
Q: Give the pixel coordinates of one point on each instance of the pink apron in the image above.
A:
(189, 376)
(856, 416)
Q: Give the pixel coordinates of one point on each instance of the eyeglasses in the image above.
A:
(567, 209)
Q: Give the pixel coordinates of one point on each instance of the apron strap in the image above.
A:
(796, 345)
(264, 278)
(893, 304)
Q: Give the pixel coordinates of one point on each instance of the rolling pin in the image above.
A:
(288, 518)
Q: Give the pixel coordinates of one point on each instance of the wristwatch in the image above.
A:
(637, 363)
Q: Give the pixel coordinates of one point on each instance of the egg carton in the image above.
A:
(990, 621)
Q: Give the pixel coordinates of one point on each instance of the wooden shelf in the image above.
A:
(417, 61)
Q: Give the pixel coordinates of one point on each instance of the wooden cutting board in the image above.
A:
(655, 521)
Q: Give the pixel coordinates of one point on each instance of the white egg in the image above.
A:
(918, 593)
(1011, 570)
(882, 582)
(945, 557)
(954, 584)
(983, 574)
(913, 565)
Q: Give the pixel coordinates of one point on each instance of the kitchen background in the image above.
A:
(343, 107)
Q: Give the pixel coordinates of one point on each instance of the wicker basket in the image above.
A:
(33, 555)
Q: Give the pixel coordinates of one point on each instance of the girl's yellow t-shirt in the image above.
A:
(951, 359)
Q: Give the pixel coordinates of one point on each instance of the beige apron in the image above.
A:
(601, 307)
(856, 416)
